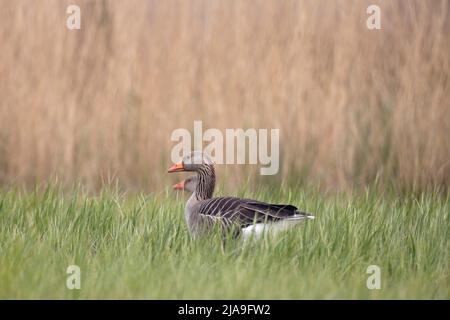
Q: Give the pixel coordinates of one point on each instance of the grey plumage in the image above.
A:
(230, 214)
(237, 214)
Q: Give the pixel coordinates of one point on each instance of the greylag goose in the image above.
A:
(240, 216)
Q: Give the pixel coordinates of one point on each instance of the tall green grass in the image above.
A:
(137, 246)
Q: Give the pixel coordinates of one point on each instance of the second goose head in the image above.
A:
(202, 164)
(189, 184)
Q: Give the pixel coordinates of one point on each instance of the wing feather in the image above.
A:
(232, 211)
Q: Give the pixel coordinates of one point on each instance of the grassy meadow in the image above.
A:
(137, 246)
(364, 119)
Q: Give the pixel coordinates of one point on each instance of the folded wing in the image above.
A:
(237, 212)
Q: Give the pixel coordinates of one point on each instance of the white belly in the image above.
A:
(259, 229)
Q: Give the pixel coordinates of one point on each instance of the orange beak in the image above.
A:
(179, 186)
(176, 168)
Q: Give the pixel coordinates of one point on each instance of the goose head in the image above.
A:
(189, 184)
(202, 164)
(194, 161)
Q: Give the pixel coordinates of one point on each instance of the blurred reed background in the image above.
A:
(354, 106)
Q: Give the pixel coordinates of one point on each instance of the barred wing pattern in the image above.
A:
(232, 212)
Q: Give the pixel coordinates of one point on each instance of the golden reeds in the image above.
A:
(353, 105)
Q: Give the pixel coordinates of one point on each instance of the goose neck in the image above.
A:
(206, 183)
